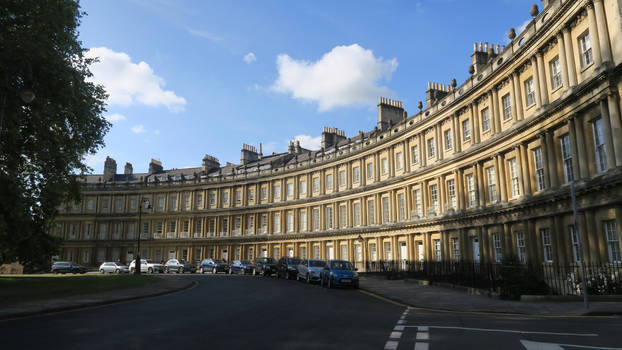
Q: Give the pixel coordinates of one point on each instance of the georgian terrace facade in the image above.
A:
(482, 171)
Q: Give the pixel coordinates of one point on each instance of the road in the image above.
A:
(247, 312)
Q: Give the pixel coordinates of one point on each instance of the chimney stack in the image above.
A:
(128, 169)
(110, 169)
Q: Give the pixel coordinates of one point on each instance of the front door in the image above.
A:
(420, 253)
(475, 249)
(223, 254)
(330, 252)
(403, 254)
(171, 254)
(290, 252)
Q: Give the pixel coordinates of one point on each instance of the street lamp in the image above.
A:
(144, 203)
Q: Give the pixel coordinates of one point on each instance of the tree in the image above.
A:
(50, 119)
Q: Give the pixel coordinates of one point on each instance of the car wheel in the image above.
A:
(117, 271)
(180, 270)
(150, 270)
(230, 271)
(214, 271)
(201, 270)
(254, 272)
(102, 271)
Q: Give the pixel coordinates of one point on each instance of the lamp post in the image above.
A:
(147, 205)
(582, 260)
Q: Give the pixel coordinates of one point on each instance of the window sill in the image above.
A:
(590, 65)
(557, 89)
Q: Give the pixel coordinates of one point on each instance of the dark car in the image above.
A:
(287, 268)
(213, 265)
(241, 266)
(179, 266)
(339, 273)
(264, 266)
(67, 267)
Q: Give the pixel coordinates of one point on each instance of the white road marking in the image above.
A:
(398, 328)
(423, 329)
(391, 345)
(402, 317)
(534, 345)
(421, 346)
(423, 336)
(511, 331)
(401, 322)
(395, 335)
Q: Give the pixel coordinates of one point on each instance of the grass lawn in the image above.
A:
(22, 288)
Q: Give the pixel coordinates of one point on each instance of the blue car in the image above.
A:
(339, 273)
(213, 265)
(241, 266)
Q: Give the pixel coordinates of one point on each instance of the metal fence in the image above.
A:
(602, 279)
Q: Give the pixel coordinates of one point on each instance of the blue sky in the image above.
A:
(189, 78)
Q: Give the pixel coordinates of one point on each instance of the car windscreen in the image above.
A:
(246, 262)
(61, 264)
(341, 265)
(219, 262)
(150, 262)
(268, 261)
(317, 263)
(294, 261)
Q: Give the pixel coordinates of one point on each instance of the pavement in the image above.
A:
(431, 297)
(167, 285)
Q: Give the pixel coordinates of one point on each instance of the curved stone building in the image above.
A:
(482, 171)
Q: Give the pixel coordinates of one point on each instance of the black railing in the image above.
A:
(508, 279)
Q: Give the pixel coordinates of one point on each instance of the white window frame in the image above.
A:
(539, 168)
(485, 114)
(507, 107)
(547, 246)
(530, 92)
(600, 149)
(585, 49)
(466, 130)
(556, 73)
(566, 154)
(492, 184)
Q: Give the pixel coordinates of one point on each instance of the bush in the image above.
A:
(517, 279)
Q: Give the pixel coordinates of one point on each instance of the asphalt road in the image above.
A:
(246, 312)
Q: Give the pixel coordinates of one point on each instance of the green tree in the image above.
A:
(50, 119)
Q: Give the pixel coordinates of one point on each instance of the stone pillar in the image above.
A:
(545, 160)
(422, 151)
(591, 17)
(525, 168)
(517, 101)
(607, 128)
(456, 133)
(541, 76)
(495, 112)
(536, 80)
(572, 74)
(475, 122)
(459, 189)
(603, 34)
(481, 197)
(552, 164)
(616, 126)
(439, 142)
(562, 59)
(441, 194)
(577, 162)
(503, 181)
(521, 170)
(582, 153)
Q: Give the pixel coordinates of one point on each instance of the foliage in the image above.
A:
(599, 282)
(517, 279)
(43, 142)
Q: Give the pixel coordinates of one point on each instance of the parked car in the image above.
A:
(67, 267)
(241, 266)
(213, 265)
(110, 267)
(148, 266)
(287, 268)
(264, 266)
(339, 273)
(179, 266)
(309, 270)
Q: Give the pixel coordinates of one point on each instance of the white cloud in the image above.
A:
(309, 142)
(156, 132)
(347, 75)
(250, 58)
(138, 129)
(130, 83)
(115, 117)
(94, 161)
(204, 34)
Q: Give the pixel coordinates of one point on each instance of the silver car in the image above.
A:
(113, 267)
(309, 270)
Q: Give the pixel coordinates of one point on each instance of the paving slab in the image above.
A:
(450, 299)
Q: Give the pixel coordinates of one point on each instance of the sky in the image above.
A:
(190, 78)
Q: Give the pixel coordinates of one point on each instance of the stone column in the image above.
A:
(503, 191)
(456, 133)
(526, 174)
(439, 141)
(543, 88)
(603, 34)
(536, 80)
(581, 152)
(607, 128)
(616, 126)
(577, 162)
(422, 150)
(552, 163)
(481, 198)
(545, 160)
(517, 101)
(591, 17)
(562, 59)
(459, 188)
(521, 170)
(441, 195)
(496, 112)
(475, 124)
(571, 65)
